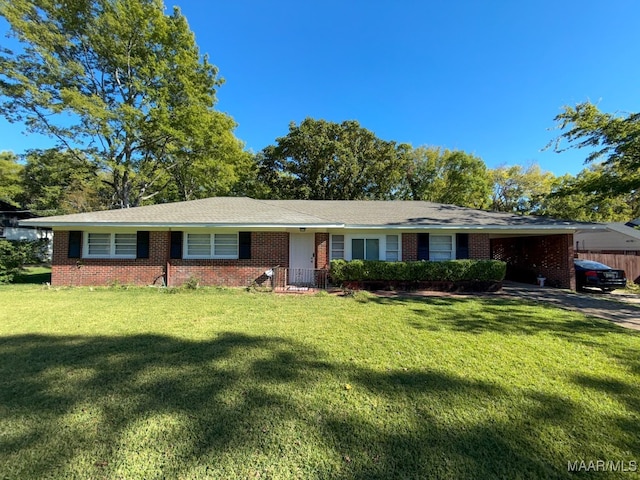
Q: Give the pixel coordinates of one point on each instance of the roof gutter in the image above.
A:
(177, 225)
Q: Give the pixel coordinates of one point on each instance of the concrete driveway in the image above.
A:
(618, 307)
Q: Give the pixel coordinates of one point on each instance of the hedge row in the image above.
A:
(421, 271)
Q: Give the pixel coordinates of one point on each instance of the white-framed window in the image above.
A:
(198, 245)
(211, 245)
(337, 247)
(125, 244)
(365, 249)
(441, 247)
(392, 250)
(110, 245)
(365, 246)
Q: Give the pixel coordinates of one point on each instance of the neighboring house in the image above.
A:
(617, 246)
(10, 228)
(234, 241)
(616, 238)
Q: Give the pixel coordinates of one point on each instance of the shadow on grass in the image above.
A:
(33, 278)
(505, 316)
(237, 406)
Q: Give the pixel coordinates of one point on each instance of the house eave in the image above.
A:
(524, 229)
(165, 225)
(478, 228)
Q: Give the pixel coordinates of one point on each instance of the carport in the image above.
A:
(528, 256)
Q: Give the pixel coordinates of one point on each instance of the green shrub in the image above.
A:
(11, 260)
(421, 271)
(14, 255)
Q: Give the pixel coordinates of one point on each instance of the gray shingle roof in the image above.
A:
(243, 211)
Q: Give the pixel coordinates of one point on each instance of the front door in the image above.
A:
(301, 259)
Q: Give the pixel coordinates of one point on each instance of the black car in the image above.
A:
(595, 274)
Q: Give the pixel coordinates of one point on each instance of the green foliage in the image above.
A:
(449, 271)
(11, 261)
(14, 255)
(60, 182)
(125, 83)
(445, 176)
(581, 198)
(520, 190)
(191, 284)
(613, 139)
(320, 160)
(10, 178)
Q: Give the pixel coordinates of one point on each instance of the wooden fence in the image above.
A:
(627, 261)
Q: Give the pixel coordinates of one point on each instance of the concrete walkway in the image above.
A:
(618, 307)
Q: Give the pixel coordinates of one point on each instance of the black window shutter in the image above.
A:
(142, 244)
(423, 246)
(462, 245)
(244, 245)
(75, 244)
(176, 245)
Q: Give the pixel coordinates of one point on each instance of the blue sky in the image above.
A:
(486, 77)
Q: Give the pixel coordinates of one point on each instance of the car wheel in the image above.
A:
(607, 289)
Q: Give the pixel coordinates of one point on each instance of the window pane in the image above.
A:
(373, 249)
(357, 249)
(126, 243)
(440, 247)
(99, 243)
(439, 256)
(392, 253)
(199, 244)
(337, 246)
(225, 245)
(441, 242)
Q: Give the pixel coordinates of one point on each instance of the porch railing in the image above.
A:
(299, 279)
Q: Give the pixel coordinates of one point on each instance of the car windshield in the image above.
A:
(591, 265)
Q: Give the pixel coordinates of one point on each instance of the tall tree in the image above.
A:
(120, 81)
(614, 140)
(322, 160)
(446, 176)
(579, 198)
(11, 187)
(520, 190)
(59, 182)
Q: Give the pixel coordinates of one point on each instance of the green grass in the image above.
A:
(141, 383)
(34, 275)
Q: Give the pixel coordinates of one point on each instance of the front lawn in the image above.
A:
(143, 383)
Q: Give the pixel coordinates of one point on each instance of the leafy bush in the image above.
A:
(449, 271)
(14, 255)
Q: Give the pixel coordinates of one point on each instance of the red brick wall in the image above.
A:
(86, 271)
(479, 246)
(268, 250)
(322, 250)
(409, 247)
(548, 255)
